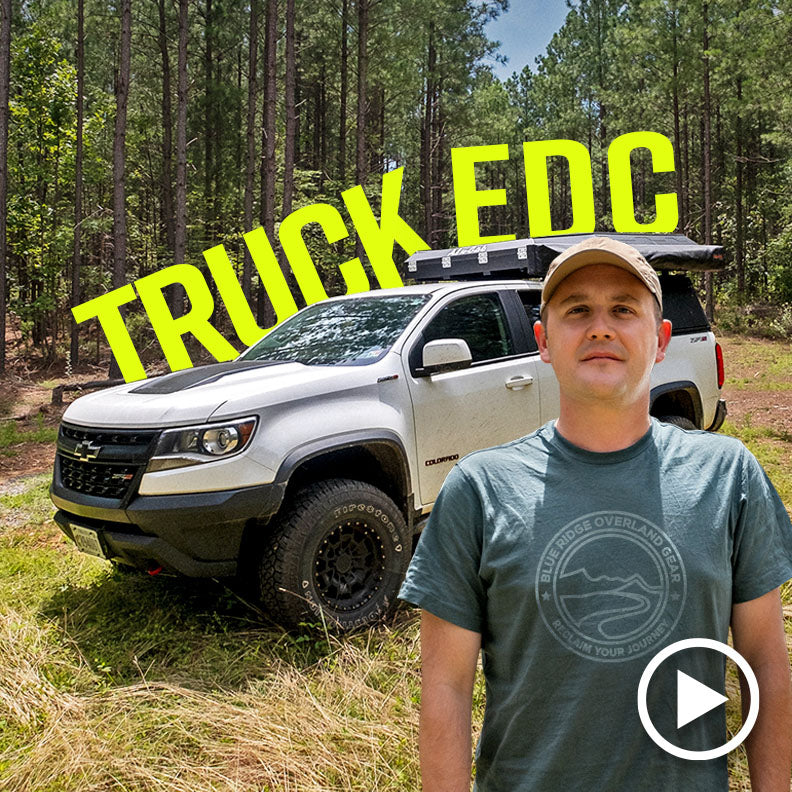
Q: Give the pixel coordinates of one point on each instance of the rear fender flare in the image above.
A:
(681, 397)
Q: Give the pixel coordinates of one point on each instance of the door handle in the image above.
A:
(519, 382)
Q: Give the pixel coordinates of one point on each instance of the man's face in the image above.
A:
(601, 336)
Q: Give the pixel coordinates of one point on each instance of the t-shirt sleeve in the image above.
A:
(443, 577)
(762, 550)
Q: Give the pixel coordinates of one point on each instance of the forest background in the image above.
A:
(137, 136)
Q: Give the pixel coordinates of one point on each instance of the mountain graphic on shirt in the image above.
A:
(609, 607)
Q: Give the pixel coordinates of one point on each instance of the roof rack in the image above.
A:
(530, 258)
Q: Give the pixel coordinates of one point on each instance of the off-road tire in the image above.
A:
(678, 420)
(337, 556)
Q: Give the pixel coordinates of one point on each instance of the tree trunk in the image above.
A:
(602, 113)
(299, 149)
(686, 170)
(376, 113)
(5, 70)
(316, 131)
(218, 80)
(74, 342)
(739, 257)
(381, 158)
(427, 137)
(441, 230)
(677, 134)
(360, 133)
(363, 21)
(238, 137)
(250, 164)
(119, 160)
(265, 312)
(437, 152)
(709, 299)
(323, 169)
(344, 89)
(180, 231)
(167, 218)
(209, 123)
(290, 130)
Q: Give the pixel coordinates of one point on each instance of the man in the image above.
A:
(570, 557)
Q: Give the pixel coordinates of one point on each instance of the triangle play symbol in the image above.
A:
(694, 699)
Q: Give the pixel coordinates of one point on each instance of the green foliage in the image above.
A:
(782, 323)
(761, 320)
(779, 257)
(611, 68)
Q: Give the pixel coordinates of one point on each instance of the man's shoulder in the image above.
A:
(709, 453)
(697, 441)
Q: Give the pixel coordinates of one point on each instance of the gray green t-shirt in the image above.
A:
(577, 567)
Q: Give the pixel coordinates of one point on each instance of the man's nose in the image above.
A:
(599, 326)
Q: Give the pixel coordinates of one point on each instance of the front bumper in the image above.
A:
(196, 534)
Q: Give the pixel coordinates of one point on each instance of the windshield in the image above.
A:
(341, 332)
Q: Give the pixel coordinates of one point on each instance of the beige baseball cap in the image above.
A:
(600, 250)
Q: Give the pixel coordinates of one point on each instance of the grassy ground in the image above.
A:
(112, 681)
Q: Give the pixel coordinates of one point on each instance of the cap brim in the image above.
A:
(586, 258)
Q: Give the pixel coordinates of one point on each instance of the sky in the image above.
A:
(525, 31)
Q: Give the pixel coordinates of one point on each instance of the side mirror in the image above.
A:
(446, 354)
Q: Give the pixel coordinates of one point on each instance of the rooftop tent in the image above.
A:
(530, 258)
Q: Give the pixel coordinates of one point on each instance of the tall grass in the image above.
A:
(345, 722)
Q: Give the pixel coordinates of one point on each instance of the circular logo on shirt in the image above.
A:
(610, 586)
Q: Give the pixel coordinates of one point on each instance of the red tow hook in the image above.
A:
(156, 571)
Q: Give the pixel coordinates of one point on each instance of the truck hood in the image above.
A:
(198, 394)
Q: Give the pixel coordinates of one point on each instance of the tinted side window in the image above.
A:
(479, 320)
(531, 300)
(681, 305)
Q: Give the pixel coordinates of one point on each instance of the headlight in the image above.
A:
(193, 445)
(220, 441)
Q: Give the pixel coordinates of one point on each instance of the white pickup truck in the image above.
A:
(308, 464)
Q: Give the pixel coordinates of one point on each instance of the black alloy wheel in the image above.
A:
(337, 557)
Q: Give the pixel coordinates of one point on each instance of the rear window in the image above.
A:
(681, 305)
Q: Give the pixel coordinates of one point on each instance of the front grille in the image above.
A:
(124, 437)
(92, 478)
(103, 462)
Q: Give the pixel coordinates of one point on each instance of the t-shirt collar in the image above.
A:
(559, 442)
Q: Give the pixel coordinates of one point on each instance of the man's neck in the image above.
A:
(602, 427)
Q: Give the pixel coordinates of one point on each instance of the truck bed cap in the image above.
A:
(530, 258)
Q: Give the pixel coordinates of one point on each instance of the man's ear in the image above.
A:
(663, 339)
(541, 341)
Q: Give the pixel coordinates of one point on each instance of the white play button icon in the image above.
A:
(694, 699)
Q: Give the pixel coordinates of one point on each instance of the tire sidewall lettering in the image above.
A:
(378, 515)
(307, 592)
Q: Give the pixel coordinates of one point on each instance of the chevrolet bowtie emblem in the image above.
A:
(85, 450)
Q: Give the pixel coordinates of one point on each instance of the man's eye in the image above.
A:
(578, 309)
(623, 309)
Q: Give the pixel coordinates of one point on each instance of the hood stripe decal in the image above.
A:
(200, 375)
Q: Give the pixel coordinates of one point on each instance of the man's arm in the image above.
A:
(448, 668)
(758, 634)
